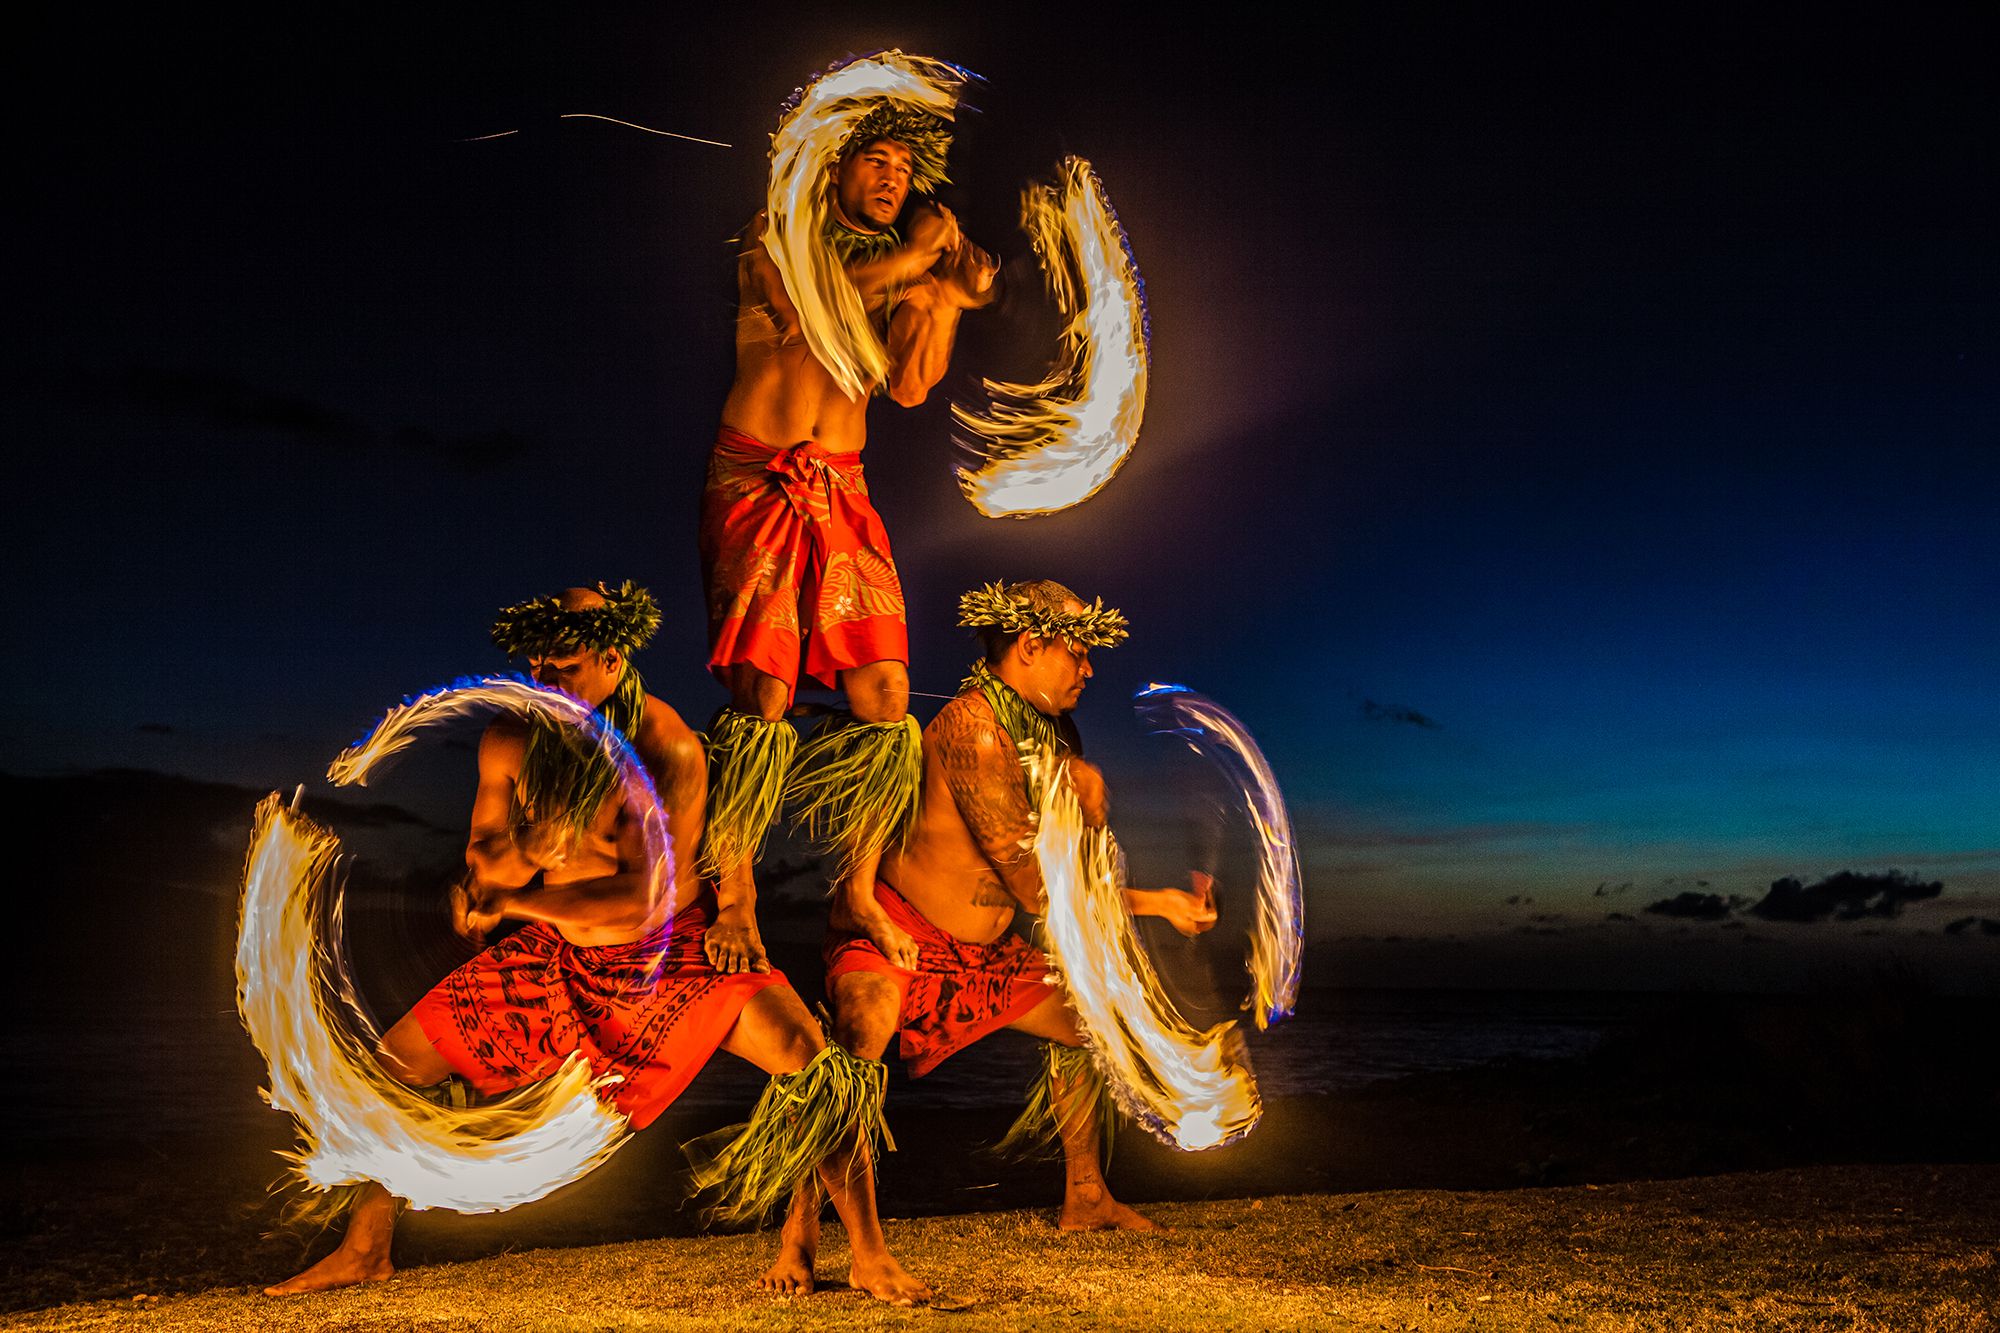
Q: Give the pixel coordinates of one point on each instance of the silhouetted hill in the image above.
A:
(132, 881)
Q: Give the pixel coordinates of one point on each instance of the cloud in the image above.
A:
(1520, 900)
(1846, 896)
(482, 451)
(1605, 889)
(1619, 916)
(222, 402)
(1987, 925)
(1375, 712)
(208, 399)
(154, 729)
(1691, 906)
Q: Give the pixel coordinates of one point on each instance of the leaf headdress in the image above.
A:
(1015, 611)
(624, 624)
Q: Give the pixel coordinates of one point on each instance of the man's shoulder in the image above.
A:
(664, 734)
(506, 734)
(965, 734)
(968, 710)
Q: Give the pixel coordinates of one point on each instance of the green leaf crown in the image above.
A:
(1096, 626)
(624, 624)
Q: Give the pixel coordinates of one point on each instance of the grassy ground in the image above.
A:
(1826, 1248)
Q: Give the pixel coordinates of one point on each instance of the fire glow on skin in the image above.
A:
(296, 997)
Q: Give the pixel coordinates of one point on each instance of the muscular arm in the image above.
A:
(933, 235)
(982, 770)
(498, 853)
(926, 322)
(493, 853)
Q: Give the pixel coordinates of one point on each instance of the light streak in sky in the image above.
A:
(592, 115)
(1192, 1088)
(1044, 447)
(664, 134)
(297, 999)
(803, 151)
(1277, 938)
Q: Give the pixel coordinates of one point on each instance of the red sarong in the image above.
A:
(788, 535)
(959, 992)
(513, 1014)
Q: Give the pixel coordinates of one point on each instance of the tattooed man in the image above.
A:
(969, 867)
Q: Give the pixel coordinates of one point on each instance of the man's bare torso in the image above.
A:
(615, 844)
(973, 811)
(782, 395)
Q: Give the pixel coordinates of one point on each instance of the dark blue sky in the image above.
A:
(1618, 401)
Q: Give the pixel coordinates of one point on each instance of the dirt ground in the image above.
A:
(1826, 1248)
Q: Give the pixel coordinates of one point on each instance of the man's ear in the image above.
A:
(611, 660)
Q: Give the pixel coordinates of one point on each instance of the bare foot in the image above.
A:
(885, 1280)
(1091, 1208)
(342, 1268)
(792, 1275)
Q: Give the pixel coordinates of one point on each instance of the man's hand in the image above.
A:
(543, 845)
(474, 911)
(856, 911)
(965, 276)
(895, 944)
(933, 231)
(733, 944)
(1189, 913)
(1091, 793)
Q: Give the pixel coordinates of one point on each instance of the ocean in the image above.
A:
(140, 1076)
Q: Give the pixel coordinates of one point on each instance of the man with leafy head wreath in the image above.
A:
(640, 972)
(795, 559)
(969, 867)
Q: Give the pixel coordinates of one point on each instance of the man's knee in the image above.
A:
(866, 1007)
(756, 693)
(878, 692)
(406, 1055)
(775, 1033)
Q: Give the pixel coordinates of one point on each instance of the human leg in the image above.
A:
(750, 751)
(775, 1033)
(855, 787)
(407, 1055)
(1074, 1092)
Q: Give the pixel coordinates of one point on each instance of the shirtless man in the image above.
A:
(969, 866)
(794, 556)
(555, 843)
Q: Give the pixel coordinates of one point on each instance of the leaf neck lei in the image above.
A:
(1033, 732)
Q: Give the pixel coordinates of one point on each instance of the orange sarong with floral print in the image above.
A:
(792, 550)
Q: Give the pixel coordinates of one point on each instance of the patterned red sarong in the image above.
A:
(513, 1014)
(786, 535)
(959, 992)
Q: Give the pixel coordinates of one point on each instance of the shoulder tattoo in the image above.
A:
(984, 775)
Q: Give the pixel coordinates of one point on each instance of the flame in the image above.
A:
(804, 148)
(1192, 1088)
(297, 999)
(1047, 446)
(1277, 938)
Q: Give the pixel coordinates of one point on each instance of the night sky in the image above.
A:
(1571, 446)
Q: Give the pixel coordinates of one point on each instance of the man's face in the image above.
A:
(1058, 669)
(591, 677)
(1069, 669)
(872, 185)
